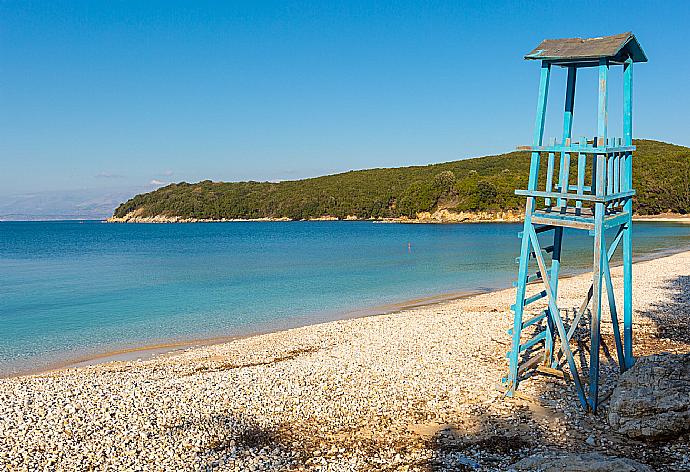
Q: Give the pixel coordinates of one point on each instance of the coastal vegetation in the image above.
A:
(483, 184)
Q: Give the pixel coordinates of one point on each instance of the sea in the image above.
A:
(72, 290)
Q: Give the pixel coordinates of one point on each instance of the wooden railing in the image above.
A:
(603, 174)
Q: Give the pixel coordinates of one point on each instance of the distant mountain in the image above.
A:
(484, 184)
(63, 205)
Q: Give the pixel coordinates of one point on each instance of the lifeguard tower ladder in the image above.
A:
(597, 200)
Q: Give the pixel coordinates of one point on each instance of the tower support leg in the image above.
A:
(599, 189)
(563, 179)
(627, 236)
(550, 326)
(538, 136)
(627, 295)
(595, 332)
(514, 359)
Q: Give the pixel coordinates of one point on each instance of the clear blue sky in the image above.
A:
(119, 94)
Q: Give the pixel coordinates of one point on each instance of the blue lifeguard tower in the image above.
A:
(597, 200)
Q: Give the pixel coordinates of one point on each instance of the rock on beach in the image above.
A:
(573, 462)
(652, 399)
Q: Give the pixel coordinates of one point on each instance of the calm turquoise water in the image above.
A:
(70, 289)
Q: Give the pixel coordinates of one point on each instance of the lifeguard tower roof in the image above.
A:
(617, 48)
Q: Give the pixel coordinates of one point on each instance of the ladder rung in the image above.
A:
(531, 299)
(549, 371)
(537, 229)
(530, 322)
(533, 277)
(537, 276)
(542, 228)
(532, 255)
(534, 360)
(585, 188)
(535, 297)
(537, 338)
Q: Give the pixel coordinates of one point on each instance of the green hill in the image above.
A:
(661, 176)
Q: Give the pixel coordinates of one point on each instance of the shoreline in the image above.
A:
(414, 390)
(438, 217)
(663, 218)
(660, 218)
(161, 348)
(171, 347)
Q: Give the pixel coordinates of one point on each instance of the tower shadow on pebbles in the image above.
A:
(497, 434)
(662, 327)
(671, 316)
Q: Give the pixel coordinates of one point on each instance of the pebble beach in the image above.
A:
(411, 390)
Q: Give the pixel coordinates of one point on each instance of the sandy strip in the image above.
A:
(664, 218)
(412, 390)
(168, 347)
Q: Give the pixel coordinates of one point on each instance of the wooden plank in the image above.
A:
(536, 339)
(537, 229)
(616, 220)
(577, 148)
(551, 371)
(530, 322)
(529, 363)
(534, 320)
(616, 172)
(536, 277)
(564, 222)
(541, 229)
(595, 325)
(547, 250)
(627, 103)
(621, 174)
(609, 175)
(603, 102)
(584, 51)
(549, 178)
(569, 103)
(539, 337)
(535, 297)
(581, 170)
(597, 198)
